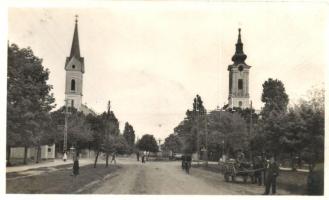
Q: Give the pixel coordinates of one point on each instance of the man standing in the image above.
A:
(272, 173)
(75, 164)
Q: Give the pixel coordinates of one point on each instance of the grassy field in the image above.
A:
(58, 181)
(294, 182)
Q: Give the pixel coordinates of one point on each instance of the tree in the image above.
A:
(97, 127)
(111, 131)
(129, 135)
(227, 131)
(311, 112)
(106, 134)
(173, 143)
(79, 132)
(121, 145)
(148, 143)
(28, 99)
(191, 129)
(273, 115)
(274, 96)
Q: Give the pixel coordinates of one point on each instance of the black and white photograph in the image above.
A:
(165, 98)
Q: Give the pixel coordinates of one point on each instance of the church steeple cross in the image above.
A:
(76, 18)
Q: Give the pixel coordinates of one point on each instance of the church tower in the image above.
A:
(239, 78)
(74, 67)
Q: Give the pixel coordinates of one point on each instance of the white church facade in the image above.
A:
(239, 78)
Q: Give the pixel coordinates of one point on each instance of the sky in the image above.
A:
(150, 59)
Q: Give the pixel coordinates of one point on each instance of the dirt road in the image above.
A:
(168, 178)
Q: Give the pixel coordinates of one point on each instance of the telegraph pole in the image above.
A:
(206, 127)
(250, 129)
(65, 126)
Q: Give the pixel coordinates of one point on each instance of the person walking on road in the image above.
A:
(137, 154)
(113, 158)
(64, 156)
(272, 173)
(143, 157)
(76, 164)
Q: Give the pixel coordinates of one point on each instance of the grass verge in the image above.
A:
(59, 181)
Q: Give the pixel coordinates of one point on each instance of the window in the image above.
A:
(73, 85)
(240, 84)
(240, 103)
(73, 66)
(49, 150)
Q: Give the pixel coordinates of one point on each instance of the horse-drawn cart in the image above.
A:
(232, 169)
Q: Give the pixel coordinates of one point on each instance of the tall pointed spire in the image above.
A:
(239, 56)
(75, 48)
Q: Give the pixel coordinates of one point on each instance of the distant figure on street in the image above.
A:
(272, 173)
(64, 156)
(137, 154)
(113, 158)
(75, 164)
(183, 162)
(187, 163)
(143, 157)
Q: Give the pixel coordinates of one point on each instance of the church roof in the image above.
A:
(86, 110)
(239, 56)
(75, 48)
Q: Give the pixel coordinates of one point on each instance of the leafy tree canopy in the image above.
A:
(148, 143)
(28, 97)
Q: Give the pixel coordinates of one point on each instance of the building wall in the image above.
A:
(18, 152)
(237, 95)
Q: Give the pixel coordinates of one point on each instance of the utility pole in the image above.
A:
(159, 144)
(206, 127)
(250, 129)
(65, 126)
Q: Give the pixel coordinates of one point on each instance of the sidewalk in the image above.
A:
(56, 162)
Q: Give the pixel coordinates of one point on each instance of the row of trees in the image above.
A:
(277, 130)
(217, 130)
(30, 122)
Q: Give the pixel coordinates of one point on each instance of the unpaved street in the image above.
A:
(168, 178)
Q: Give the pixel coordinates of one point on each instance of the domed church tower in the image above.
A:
(239, 78)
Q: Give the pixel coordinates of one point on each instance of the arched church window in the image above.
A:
(240, 84)
(73, 85)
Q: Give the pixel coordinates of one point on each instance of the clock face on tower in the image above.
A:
(240, 68)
